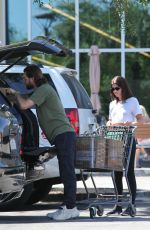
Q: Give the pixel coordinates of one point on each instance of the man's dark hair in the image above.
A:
(33, 71)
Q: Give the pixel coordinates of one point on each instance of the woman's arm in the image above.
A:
(141, 119)
(109, 123)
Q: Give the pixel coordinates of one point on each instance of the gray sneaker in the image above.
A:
(66, 214)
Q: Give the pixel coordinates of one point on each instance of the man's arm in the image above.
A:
(24, 103)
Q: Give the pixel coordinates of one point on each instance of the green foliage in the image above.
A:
(137, 74)
(121, 10)
(106, 19)
(39, 2)
(124, 12)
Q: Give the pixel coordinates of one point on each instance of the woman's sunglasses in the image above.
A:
(115, 88)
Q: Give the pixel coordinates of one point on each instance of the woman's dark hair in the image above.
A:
(122, 83)
(33, 71)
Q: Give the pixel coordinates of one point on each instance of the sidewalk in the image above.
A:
(104, 184)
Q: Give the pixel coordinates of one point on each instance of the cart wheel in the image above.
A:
(92, 212)
(100, 210)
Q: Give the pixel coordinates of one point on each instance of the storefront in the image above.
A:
(78, 24)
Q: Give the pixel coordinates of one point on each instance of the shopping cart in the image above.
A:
(106, 150)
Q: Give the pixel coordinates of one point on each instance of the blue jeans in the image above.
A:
(65, 144)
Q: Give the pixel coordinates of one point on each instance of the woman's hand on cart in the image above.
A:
(127, 123)
(109, 123)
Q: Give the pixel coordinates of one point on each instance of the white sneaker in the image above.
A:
(66, 214)
(52, 214)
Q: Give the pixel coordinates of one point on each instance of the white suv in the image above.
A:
(78, 109)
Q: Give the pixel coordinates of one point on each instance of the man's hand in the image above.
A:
(10, 91)
(11, 94)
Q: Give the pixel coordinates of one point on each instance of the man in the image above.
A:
(58, 130)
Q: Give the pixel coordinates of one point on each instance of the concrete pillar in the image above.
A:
(2, 23)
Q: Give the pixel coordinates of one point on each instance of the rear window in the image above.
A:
(81, 97)
(15, 81)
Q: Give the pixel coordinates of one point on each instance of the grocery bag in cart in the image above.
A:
(108, 149)
(98, 152)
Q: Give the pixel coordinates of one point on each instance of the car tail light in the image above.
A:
(21, 142)
(21, 151)
(73, 117)
(43, 135)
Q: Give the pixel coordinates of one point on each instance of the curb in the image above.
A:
(56, 194)
(143, 191)
(138, 172)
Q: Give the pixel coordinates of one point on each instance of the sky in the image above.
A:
(18, 17)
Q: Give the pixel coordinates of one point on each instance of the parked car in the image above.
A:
(28, 164)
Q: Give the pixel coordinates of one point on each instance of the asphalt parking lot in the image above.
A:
(34, 217)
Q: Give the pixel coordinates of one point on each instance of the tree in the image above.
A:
(110, 63)
(122, 8)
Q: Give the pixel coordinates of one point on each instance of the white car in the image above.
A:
(78, 108)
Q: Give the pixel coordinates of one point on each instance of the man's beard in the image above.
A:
(29, 86)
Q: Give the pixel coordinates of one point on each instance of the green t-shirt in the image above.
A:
(50, 112)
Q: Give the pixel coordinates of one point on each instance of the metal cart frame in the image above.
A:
(106, 150)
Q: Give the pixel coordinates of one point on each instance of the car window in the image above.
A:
(81, 97)
(15, 81)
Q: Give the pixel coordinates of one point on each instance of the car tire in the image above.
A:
(40, 189)
(17, 203)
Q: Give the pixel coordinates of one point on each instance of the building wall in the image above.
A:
(2, 23)
(121, 52)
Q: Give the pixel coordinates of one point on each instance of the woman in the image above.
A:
(124, 110)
